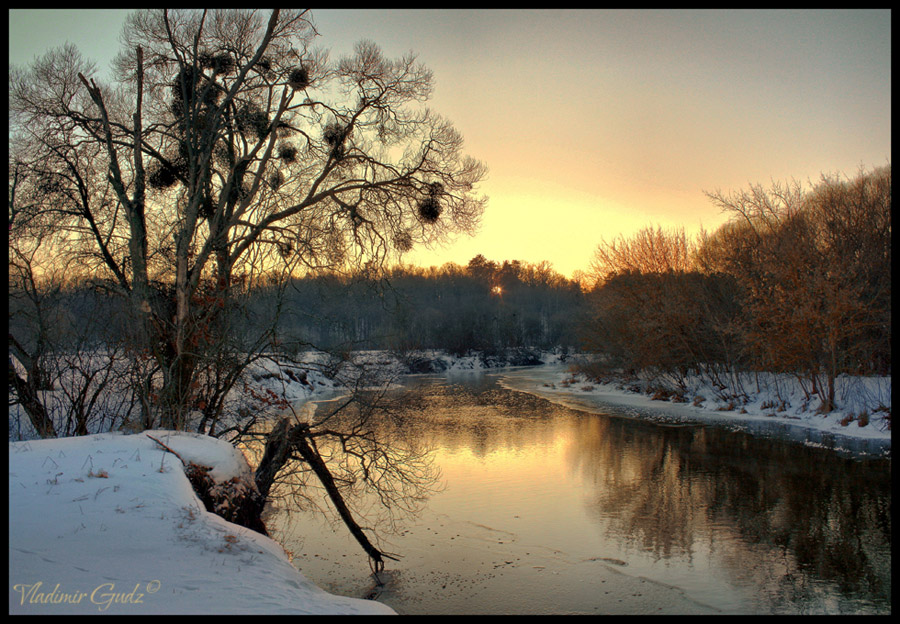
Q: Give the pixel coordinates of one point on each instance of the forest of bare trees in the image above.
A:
(797, 281)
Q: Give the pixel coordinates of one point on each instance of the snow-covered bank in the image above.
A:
(272, 379)
(110, 524)
(863, 410)
(776, 401)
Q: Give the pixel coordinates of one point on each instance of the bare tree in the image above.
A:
(29, 322)
(851, 218)
(228, 148)
(816, 270)
(647, 251)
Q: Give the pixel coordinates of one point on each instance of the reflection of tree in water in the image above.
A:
(804, 515)
(640, 482)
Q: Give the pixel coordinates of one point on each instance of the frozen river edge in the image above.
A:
(556, 383)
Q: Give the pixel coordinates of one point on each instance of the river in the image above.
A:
(546, 509)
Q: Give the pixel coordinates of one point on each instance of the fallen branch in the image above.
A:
(282, 440)
(183, 463)
(318, 466)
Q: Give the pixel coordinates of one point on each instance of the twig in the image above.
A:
(183, 463)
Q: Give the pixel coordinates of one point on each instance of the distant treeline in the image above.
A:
(798, 281)
(484, 306)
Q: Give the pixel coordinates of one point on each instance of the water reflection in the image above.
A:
(740, 523)
(782, 517)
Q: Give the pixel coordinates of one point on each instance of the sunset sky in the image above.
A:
(599, 123)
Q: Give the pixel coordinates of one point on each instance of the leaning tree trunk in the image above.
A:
(278, 450)
(311, 456)
(281, 441)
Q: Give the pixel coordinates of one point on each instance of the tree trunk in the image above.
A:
(279, 445)
(29, 400)
(278, 450)
(311, 456)
(175, 393)
(829, 405)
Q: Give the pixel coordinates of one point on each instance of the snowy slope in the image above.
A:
(110, 524)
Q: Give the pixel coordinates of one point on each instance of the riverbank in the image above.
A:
(548, 510)
(863, 411)
(769, 403)
(109, 524)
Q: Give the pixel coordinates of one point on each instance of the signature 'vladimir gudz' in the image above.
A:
(103, 595)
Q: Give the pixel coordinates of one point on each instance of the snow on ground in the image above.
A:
(770, 400)
(109, 523)
(862, 402)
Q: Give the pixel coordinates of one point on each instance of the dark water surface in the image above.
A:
(547, 509)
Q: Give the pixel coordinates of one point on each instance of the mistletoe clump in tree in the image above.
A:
(227, 141)
(228, 151)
